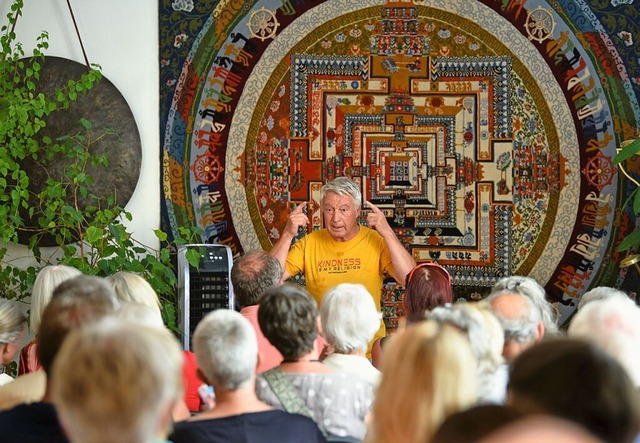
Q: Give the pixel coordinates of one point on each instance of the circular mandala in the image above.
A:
(485, 133)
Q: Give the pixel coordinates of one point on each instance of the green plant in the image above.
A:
(88, 230)
(628, 150)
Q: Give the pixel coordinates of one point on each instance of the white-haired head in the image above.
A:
(612, 323)
(600, 293)
(349, 317)
(527, 286)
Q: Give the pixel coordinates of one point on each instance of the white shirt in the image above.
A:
(354, 364)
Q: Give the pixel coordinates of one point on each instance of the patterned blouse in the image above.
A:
(338, 402)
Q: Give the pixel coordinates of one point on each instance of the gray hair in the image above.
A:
(524, 327)
(78, 290)
(469, 318)
(226, 349)
(252, 274)
(343, 186)
(12, 321)
(530, 288)
(612, 323)
(349, 317)
(600, 293)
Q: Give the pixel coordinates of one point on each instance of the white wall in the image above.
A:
(122, 37)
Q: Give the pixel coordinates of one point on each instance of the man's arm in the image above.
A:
(296, 219)
(402, 261)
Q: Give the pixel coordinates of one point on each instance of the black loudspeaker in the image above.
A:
(203, 289)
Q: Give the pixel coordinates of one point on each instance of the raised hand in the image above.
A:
(376, 220)
(297, 219)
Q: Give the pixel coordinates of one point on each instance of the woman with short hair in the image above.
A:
(47, 280)
(12, 328)
(349, 321)
(337, 402)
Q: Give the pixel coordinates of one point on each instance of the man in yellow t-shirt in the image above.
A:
(344, 251)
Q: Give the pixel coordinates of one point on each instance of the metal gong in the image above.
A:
(114, 132)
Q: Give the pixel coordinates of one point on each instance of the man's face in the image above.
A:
(340, 216)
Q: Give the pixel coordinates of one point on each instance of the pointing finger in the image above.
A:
(299, 208)
(373, 207)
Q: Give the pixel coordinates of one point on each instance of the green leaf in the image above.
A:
(631, 240)
(636, 203)
(93, 234)
(86, 123)
(627, 152)
(193, 257)
(162, 236)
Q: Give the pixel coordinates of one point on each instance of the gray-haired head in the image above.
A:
(226, 349)
(78, 290)
(343, 186)
(613, 323)
(530, 288)
(349, 317)
(601, 293)
(521, 325)
(252, 274)
(469, 318)
(12, 322)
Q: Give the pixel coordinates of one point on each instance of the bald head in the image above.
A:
(520, 320)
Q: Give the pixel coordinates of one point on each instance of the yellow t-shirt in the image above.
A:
(326, 263)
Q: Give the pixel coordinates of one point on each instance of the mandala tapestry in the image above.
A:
(485, 130)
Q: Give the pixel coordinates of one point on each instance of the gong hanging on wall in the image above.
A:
(113, 132)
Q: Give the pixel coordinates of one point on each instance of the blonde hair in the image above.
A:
(139, 313)
(131, 287)
(428, 373)
(116, 381)
(47, 280)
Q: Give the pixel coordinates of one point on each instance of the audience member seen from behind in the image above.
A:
(612, 323)
(486, 338)
(12, 329)
(251, 275)
(132, 289)
(77, 302)
(428, 285)
(343, 251)
(428, 373)
(227, 352)
(520, 319)
(117, 382)
(601, 293)
(530, 288)
(470, 425)
(349, 321)
(337, 402)
(46, 281)
(577, 381)
(540, 429)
